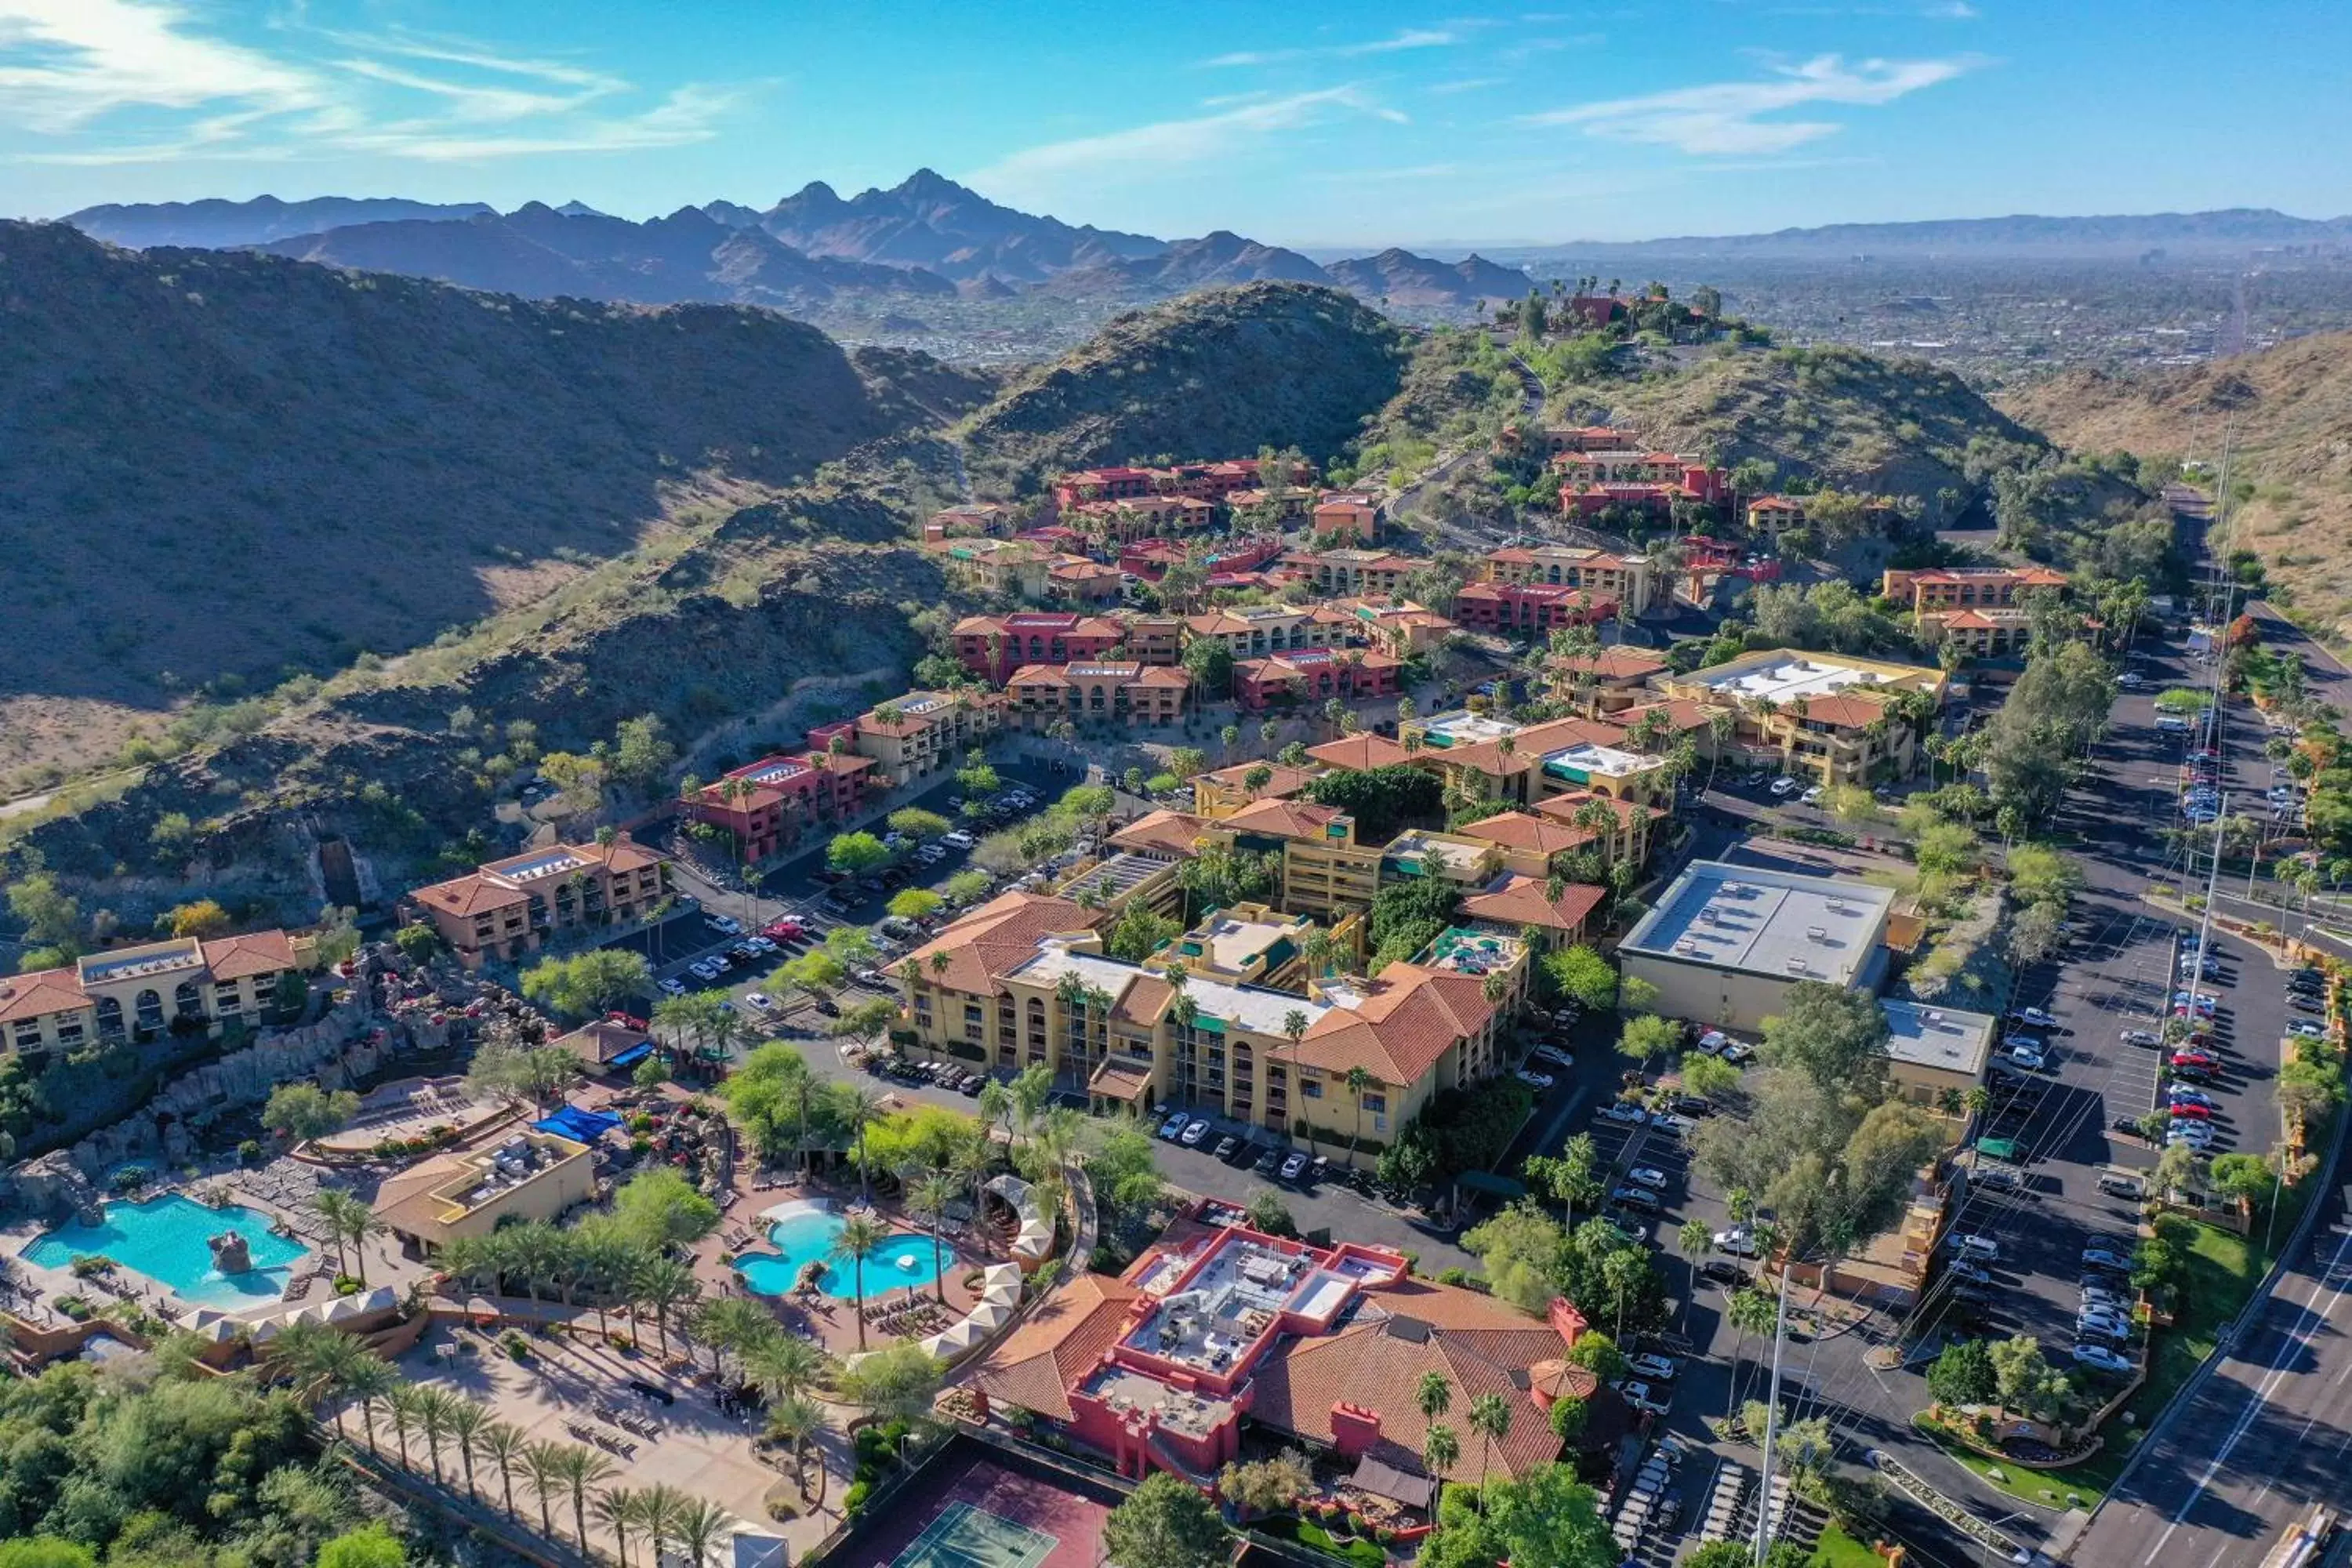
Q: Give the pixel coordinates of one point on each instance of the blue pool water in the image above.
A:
(164, 1239)
(806, 1238)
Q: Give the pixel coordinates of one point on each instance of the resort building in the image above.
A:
(1517, 904)
(1075, 580)
(1013, 569)
(1265, 508)
(1341, 516)
(767, 805)
(1119, 521)
(994, 647)
(508, 908)
(606, 1046)
(1311, 677)
(1359, 752)
(1837, 718)
(1398, 628)
(1628, 579)
(1227, 790)
(920, 733)
(1542, 841)
(1933, 1053)
(520, 1176)
(1516, 765)
(1725, 942)
(1122, 692)
(1590, 480)
(1255, 631)
(1556, 438)
(187, 984)
(1332, 572)
(1773, 516)
(972, 518)
(1530, 608)
(1324, 870)
(1218, 1325)
(1207, 481)
(1419, 1028)
(1982, 611)
(1605, 682)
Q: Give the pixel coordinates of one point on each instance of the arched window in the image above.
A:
(188, 1001)
(150, 1010)
(109, 1015)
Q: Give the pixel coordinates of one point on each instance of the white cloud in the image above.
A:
(1409, 39)
(1726, 119)
(66, 63)
(1466, 84)
(1171, 143)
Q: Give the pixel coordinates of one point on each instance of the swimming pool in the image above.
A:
(898, 1260)
(164, 1239)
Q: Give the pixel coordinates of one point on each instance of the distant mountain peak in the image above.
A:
(576, 208)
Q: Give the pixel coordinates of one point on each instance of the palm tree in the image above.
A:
(615, 1509)
(1691, 1240)
(1435, 1394)
(781, 1366)
(1294, 1028)
(700, 1523)
(665, 1283)
(433, 1407)
(468, 1421)
(314, 1358)
(858, 1235)
(731, 1323)
(797, 1419)
(402, 1401)
(658, 1512)
(369, 1382)
(543, 1465)
(504, 1444)
(1441, 1451)
(929, 1196)
(581, 1470)
(1359, 1079)
(1490, 1417)
(861, 1108)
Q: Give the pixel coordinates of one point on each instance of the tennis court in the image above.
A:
(963, 1536)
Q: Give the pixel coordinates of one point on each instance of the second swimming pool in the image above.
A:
(806, 1236)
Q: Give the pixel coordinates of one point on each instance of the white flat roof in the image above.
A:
(1254, 1008)
(1606, 761)
(1945, 1038)
(1775, 923)
(1464, 728)
(1793, 675)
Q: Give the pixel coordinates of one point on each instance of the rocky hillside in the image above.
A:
(218, 224)
(1399, 280)
(219, 467)
(1218, 374)
(540, 253)
(1213, 261)
(1849, 419)
(930, 221)
(2288, 411)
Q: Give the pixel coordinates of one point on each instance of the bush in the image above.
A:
(853, 1502)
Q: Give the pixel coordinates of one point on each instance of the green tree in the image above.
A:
(1211, 665)
(302, 1111)
(2023, 1379)
(914, 904)
(1140, 932)
(417, 941)
(1584, 977)
(586, 983)
(1166, 1523)
(918, 824)
(1963, 1374)
(1650, 1040)
(855, 853)
(371, 1546)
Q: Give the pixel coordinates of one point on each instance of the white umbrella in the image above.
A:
(265, 1330)
(959, 1339)
(1004, 1294)
(997, 1274)
(990, 1315)
(341, 1309)
(380, 1298)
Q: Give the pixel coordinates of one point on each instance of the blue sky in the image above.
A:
(1303, 123)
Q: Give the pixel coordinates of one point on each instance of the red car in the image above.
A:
(2193, 1112)
(2194, 1059)
(783, 930)
(631, 1020)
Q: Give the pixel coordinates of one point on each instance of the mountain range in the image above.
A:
(2226, 230)
(927, 236)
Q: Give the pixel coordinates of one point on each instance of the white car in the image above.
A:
(1651, 1368)
(2034, 1018)
(1533, 1079)
(2028, 1056)
(2148, 1037)
(1713, 1042)
(1640, 1396)
(671, 988)
(1627, 1111)
(958, 839)
(2103, 1359)
(1739, 1241)
(1812, 796)
(1967, 1243)
(1193, 1134)
(759, 999)
(1647, 1177)
(2130, 680)
(2194, 1134)
(1783, 787)
(2308, 1029)
(1553, 1055)
(1671, 1125)
(725, 925)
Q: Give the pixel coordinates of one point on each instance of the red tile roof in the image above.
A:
(1519, 900)
(42, 992)
(995, 938)
(1163, 832)
(1405, 1021)
(256, 953)
(1063, 1340)
(1358, 753)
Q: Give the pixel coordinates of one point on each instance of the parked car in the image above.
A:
(1783, 787)
(2179, 1095)
(670, 987)
(1627, 1111)
(1648, 1176)
(2147, 1037)
(2101, 1358)
(1693, 1105)
(2308, 1029)
(1712, 1042)
(2102, 1257)
(2034, 1018)
(1269, 1163)
(1192, 1135)
(958, 839)
(1174, 1126)
(1292, 1165)
(1812, 795)
(1635, 1198)
(2197, 1135)
(2026, 1052)
(1716, 1271)
(1739, 1241)
(1969, 1243)
(1553, 1055)
(1227, 1145)
(1642, 1397)
(1973, 1273)
(1736, 1051)
(1651, 1368)
(1531, 1077)
(2190, 1110)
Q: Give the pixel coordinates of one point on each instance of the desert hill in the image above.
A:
(930, 221)
(1400, 277)
(218, 469)
(219, 225)
(1218, 374)
(2288, 413)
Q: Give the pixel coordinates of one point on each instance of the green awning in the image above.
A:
(1493, 1185)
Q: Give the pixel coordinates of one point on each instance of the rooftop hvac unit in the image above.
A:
(1819, 934)
(1796, 965)
(1934, 1016)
